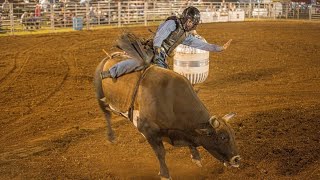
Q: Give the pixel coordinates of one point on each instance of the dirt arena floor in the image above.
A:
(51, 126)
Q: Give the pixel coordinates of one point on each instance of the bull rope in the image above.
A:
(134, 95)
(115, 54)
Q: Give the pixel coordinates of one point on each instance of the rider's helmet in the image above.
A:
(193, 14)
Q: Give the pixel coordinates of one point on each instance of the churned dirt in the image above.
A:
(51, 126)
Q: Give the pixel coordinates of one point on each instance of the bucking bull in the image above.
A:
(164, 107)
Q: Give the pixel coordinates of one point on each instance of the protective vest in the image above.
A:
(175, 38)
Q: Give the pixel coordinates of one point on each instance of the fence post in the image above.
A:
(128, 12)
(293, 12)
(269, 10)
(87, 15)
(170, 8)
(119, 14)
(52, 16)
(274, 11)
(11, 19)
(64, 16)
(310, 13)
(98, 11)
(259, 10)
(75, 10)
(250, 9)
(287, 10)
(153, 10)
(109, 13)
(145, 13)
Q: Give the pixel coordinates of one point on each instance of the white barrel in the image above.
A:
(192, 63)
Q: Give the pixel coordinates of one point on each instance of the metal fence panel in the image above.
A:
(32, 16)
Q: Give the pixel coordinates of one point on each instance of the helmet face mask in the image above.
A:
(189, 25)
(190, 18)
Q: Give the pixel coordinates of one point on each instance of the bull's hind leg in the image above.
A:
(195, 156)
(152, 134)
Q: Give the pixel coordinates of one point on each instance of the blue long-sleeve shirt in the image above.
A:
(167, 27)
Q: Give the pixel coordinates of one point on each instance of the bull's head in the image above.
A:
(219, 140)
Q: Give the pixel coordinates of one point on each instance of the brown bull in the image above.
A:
(166, 108)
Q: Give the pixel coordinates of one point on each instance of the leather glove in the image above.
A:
(157, 50)
(226, 45)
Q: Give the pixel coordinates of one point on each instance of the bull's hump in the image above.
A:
(161, 75)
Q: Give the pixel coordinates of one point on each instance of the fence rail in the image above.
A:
(31, 16)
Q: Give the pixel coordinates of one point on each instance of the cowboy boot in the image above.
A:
(105, 74)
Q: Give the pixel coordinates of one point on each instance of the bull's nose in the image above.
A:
(235, 161)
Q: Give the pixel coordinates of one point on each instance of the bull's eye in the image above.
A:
(209, 133)
(223, 137)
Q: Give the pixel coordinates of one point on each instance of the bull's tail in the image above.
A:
(100, 96)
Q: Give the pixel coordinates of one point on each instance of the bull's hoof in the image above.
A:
(113, 141)
(197, 162)
(164, 178)
(111, 138)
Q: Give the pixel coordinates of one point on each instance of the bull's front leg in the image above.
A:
(152, 133)
(195, 155)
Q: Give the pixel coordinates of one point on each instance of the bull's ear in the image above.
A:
(227, 117)
(214, 122)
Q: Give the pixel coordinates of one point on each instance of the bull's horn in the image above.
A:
(214, 122)
(227, 117)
